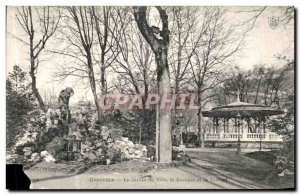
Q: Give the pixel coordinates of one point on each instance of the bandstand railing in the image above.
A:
(243, 137)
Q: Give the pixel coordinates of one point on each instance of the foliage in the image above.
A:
(18, 104)
(17, 79)
(284, 125)
(281, 163)
(260, 85)
(138, 126)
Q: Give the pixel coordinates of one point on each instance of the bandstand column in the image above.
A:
(248, 124)
(242, 126)
(227, 125)
(239, 140)
(217, 125)
(214, 125)
(235, 125)
(224, 124)
(264, 124)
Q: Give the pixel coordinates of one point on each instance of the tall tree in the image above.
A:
(79, 36)
(89, 35)
(39, 24)
(188, 25)
(17, 78)
(105, 28)
(135, 72)
(187, 30)
(159, 43)
(135, 59)
(259, 85)
(212, 57)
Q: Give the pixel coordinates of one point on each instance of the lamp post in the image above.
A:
(179, 116)
(181, 139)
(238, 117)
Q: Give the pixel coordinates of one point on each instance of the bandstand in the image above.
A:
(241, 122)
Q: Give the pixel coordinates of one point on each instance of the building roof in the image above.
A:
(244, 109)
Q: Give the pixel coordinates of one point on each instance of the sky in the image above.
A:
(261, 44)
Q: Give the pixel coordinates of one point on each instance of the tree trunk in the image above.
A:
(93, 83)
(33, 78)
(102, 82)
(36, 92)
(102, 79)
(257, 91)
(160, 49)
(157, 144)
(199, 120)
(140, 132)
(164, 88)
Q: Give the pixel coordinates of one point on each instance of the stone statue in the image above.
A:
(63, 103)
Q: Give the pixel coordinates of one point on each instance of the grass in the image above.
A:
(268, 157)
(255, 166)
(263, 156)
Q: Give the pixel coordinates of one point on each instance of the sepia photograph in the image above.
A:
(150, 97)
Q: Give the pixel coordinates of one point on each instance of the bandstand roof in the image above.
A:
(244, 109)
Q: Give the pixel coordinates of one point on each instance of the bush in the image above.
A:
(18, 106)
(281, 163)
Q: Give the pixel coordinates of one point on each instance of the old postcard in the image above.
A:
(150, 97)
